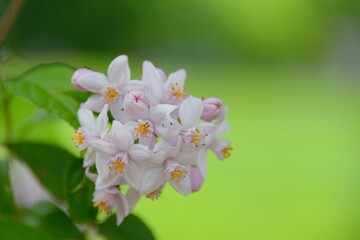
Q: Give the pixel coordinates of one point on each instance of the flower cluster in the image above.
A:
(159, 134)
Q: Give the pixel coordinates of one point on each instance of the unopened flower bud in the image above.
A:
(212, 109)
(77, 74)
(197, 179)
(136, 105)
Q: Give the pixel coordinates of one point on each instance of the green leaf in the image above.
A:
(48, 86)
(5, 191)
(131, 228)
(79, 193)
(51, 220)
(12, 230)
(48, 162)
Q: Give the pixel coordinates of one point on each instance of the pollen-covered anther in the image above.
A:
(117, 166)
(177, 91)
(177, 175)
(110, 94)
(79, 138)
(154, 195)
(103, 207)
(227, 151)
(196, 138)
(143, 128)
(118, 163)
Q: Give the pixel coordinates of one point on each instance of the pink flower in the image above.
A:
(212, 109)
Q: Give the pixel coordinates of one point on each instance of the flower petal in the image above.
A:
(112, 180)
(94, 103)
(93, 81)
(187, 157)
(102, 120)
(183, 186)
(90, 157)
(151, 76)
(119, 71)
(223, 128)
(132, 197)
(176, 77)
(122, 209)
(190, 111)
(86, 119)
(143, 155)
(104, 147)
(159, 112)
(102, 165)
(120, 136)
(117, 111)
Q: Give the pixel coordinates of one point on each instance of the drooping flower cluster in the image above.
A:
(159, 134)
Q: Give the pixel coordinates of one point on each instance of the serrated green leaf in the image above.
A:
(48, 86)
(79, 193)
(13, 230)
(51, 220)
(48, 162)
(132, 228)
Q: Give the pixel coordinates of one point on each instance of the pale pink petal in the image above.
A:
(187, 157)
(92, 176)
(93, 82)
(120, 136)
(119, 71)
(78, 73)
(176, 77)
(151, 76)
(122, 209)
(190, 111)
(153, 179)
(94, 103)
(104, 147)
(135, 174)
(117, 111)
(86, 119)
(183, 186)
(132, 197)
(102, 166)
(134, 85)
(142, 154)
(102, 120)
(170, 148)
(148, 141)
(112, 180)
(90, 156)
(223, 128)
(159, 112)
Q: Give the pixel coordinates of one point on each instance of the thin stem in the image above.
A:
(9, 18)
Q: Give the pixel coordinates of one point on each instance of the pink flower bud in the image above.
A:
(197, 179)
(136, 105)
(212, 109)
(77, 74)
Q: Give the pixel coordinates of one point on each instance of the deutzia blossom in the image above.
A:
(160, 135)
(91, 129)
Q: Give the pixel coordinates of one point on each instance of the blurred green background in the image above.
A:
(289, 70)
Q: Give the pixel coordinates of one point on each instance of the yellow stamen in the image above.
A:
(154, 195)
(110, 94)
(195, 137)
(142, 129)
(103, 207)
(177, 91)
(79, 137)
(117, 166)
(227, 151)
(177, 175)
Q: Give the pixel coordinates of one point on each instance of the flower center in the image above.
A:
(195, 137)
(79, 138)
(227, 151)
(118, 164)
(177, 91)
(177, 175)
(110, 94)
(143, 128)
(155, 195)
(103, 207)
